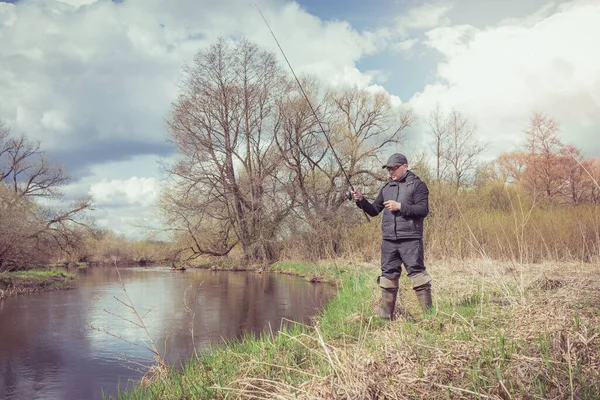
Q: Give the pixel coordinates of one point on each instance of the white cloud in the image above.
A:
(544, 12)
(78, 3)
(425, 16)
(451, 40)
(133, 191)
(428, 15)
(76, 70)
(499, 75)
(405, 45)
(126, 206)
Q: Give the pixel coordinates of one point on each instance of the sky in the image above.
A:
(93, 80)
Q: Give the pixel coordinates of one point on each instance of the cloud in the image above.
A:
(133, 191)
(125, 202)
(90, 155)
(500, 75)
(75, 71)
(428, 15)
(405, 45)
(409, 26)
(78, 3)
(530, 20)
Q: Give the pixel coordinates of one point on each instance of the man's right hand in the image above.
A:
(357, 195)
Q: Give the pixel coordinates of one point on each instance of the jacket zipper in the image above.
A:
(396, 215)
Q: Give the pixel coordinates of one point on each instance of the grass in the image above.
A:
(35, 280)
(39, 274)
(489, 336)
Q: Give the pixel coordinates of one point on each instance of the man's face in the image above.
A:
(397, 171)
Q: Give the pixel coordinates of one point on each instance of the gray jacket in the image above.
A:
(407, 223)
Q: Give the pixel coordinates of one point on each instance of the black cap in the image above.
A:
(395, 159)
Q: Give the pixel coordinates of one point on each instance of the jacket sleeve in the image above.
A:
(372, 209)
(420, 206)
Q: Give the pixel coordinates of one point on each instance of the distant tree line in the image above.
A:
(546, 168)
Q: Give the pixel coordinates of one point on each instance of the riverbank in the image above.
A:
(33, 281)
(313, 272)
(497, 331)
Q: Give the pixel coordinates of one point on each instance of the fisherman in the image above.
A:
(404, 200)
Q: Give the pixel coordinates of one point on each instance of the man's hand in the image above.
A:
(392, 205)
(357, 195)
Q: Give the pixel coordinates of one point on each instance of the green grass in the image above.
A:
(31, 281)
(39, 274)
(288, 356)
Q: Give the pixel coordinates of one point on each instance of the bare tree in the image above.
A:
(456, 148)
(577, 186)
(363, 123)
(511, 166)
(463, 148)
(543, 174)
(25, 168)
(439, 131)
(17, 224)
(32, 229)
(358, 125)
(303, 147)
(224, 124)
(593, 170)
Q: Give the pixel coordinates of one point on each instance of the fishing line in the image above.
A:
(310, 106)
(307, 100)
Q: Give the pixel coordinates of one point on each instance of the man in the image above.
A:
(405, 203)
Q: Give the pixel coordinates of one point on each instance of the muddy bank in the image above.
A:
(311, 272)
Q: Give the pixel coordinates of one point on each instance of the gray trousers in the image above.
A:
(409, 252)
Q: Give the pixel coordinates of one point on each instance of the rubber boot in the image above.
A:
(389, 292)
(388, 303)
(423, 293)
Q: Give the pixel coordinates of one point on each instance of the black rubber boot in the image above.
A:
(423, 293)
(389, 292)
(388, 303)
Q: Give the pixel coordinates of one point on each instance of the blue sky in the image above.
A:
(93, 80)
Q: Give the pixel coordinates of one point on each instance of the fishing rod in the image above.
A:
(310, 105)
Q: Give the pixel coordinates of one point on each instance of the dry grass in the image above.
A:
(499, 331)
(463, 226)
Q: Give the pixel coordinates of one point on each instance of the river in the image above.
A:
(64, 344)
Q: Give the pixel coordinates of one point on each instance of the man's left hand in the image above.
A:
(392, 205)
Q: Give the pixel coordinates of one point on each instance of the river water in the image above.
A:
(49, 348)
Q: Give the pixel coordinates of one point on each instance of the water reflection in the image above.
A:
(48, 351)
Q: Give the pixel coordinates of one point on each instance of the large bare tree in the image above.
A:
(223, 188)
